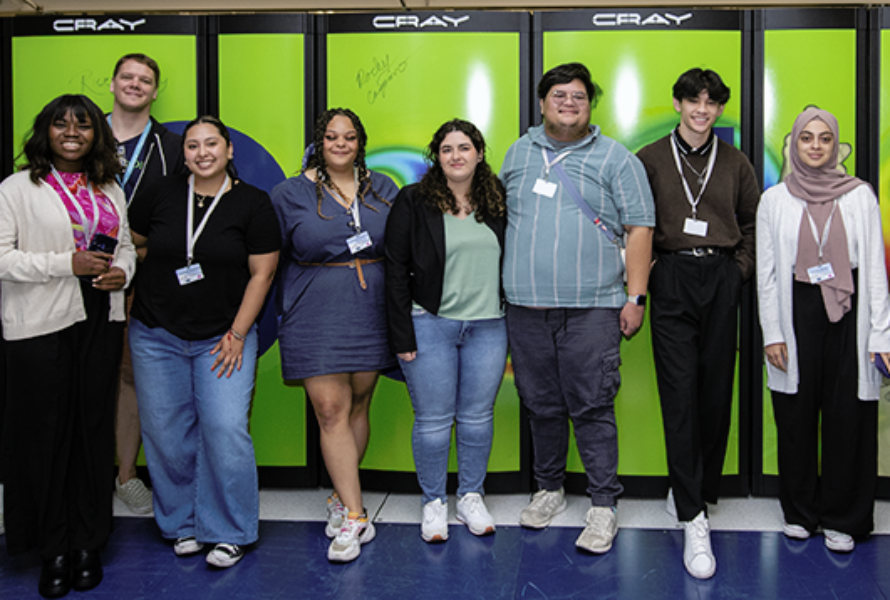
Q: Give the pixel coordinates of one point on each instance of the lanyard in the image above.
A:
(192, 238)
(711, 160)
(131, 163)
(353, 208)
(89, 228)
(820, 240)
(548, 164)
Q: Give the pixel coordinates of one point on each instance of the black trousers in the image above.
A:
(58, 440)
(694, 323)
(843, 498)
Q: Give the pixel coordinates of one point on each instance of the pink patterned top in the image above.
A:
(109, 220)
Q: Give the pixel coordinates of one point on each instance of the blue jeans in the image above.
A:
(194, 429)
(455, 378)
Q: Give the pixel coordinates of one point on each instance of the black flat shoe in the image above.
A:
(55, 577)
(86, 569)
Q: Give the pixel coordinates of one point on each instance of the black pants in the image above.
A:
(843, 499)
(694, 322)
(58, 440)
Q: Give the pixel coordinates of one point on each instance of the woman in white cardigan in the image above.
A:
(65, 257)
(825, 315)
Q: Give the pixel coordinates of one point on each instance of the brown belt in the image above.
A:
(355, 263)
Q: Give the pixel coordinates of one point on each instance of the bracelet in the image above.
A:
(236, 335)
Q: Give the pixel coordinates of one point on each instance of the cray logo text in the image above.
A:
(618, 19)
(74, 25)
(413, 21)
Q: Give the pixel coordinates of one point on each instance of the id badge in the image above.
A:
(695, 227)
(821, 273)
(544, 187)
(190, 274)
(359, 242)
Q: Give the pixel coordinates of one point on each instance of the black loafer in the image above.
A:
(55, 577)
(86, 570)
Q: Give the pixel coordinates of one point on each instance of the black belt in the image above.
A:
(700, 252)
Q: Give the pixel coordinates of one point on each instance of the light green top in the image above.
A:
(471, 285)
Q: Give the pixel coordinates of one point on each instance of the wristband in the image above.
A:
(236, 335)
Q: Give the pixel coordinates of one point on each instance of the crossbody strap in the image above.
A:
(576, 196)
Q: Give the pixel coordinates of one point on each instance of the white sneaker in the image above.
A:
(471, 511)
(838, 542)
(543, 507)
(225, 555)
(2, 529)
(134, 494)
(601, 528)
(347, 545)
(185, 546)
(669, 505)
(336, 513)
(795, 532)
(434, 527)
(697, 554)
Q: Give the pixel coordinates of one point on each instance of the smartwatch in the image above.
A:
(639, 300)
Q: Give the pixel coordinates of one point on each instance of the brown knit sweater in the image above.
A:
(729, 203)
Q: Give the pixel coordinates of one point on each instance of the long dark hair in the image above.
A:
(487, 193)
(100, 164)
(223, 131)
(316, 160)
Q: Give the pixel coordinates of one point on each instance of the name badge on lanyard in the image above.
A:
(822, 271)
(544, 186)
(692, 225)
(362, 239)
(191, 273)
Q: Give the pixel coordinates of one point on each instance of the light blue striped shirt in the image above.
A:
(554, 255)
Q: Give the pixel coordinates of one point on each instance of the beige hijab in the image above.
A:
(819, 188)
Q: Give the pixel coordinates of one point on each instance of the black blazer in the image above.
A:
(414, 247)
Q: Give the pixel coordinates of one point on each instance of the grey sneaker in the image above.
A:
(544, 506)
(602, 525)
(134, 494)
(697, 555)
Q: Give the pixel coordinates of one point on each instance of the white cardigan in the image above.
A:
(778, 227)
(41, 294)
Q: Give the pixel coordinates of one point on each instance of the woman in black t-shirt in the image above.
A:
(209, 245)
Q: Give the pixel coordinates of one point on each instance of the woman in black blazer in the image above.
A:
(444, 244)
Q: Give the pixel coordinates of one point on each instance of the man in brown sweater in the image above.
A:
(706, 196)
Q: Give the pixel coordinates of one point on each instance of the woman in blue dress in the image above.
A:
(333, 325)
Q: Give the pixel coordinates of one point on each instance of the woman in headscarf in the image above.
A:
(825, 316)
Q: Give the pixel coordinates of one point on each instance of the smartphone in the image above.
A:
(100, 243)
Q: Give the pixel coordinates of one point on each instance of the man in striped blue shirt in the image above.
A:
(567, 304)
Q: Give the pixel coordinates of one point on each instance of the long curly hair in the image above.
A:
(100, 164)
(317, 161)
(231, 171)
(487, 193)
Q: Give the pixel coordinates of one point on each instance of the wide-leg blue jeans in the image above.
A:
(194, 428)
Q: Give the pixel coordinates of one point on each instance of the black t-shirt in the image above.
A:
(243, 223)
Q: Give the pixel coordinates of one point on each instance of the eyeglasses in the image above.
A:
(560, 96)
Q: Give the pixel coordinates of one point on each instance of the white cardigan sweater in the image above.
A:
(778, 227)
(41, 294)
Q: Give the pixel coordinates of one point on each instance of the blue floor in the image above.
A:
(289, 562)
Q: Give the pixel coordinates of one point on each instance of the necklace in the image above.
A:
(201, 198)
(701, 175)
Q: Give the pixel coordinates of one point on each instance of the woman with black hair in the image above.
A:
(444, 245)
(333, 325)
(65, 257)
(209, 247)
